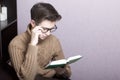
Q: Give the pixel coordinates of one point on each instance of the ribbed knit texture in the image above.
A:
(29, 60)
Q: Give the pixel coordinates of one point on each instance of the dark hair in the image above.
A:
(44, 11)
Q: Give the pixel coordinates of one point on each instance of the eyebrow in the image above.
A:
(48, 28)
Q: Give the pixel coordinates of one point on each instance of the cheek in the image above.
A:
(42, 36)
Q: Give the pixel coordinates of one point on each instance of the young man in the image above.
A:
(32, 50)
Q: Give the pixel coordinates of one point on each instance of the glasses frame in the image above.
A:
(45, 30)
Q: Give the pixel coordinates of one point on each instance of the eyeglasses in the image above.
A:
(45, 30)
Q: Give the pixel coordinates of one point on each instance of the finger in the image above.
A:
(37, 28)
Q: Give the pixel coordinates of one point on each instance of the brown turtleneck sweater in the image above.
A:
(29, 60)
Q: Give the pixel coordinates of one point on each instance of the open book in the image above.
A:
(63, 62)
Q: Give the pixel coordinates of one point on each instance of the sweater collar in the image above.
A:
(29, 29)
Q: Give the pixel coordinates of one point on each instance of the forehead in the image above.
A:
(47, 24)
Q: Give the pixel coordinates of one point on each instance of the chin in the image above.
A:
(43, 38)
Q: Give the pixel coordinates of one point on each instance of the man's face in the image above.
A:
(46, 27)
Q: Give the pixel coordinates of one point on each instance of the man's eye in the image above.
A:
(45, 29)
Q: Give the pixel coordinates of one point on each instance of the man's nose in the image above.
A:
(48, 33)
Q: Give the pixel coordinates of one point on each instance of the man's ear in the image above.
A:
(32, 22)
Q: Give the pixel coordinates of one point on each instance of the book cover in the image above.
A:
(63, 62)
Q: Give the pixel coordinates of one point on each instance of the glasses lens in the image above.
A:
(44, 30)
(53, 29)
(47, 29)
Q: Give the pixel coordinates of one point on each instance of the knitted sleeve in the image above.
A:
(25, 66)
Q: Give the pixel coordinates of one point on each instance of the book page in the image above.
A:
(57, 62)
(73, 59)
(62, 62)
